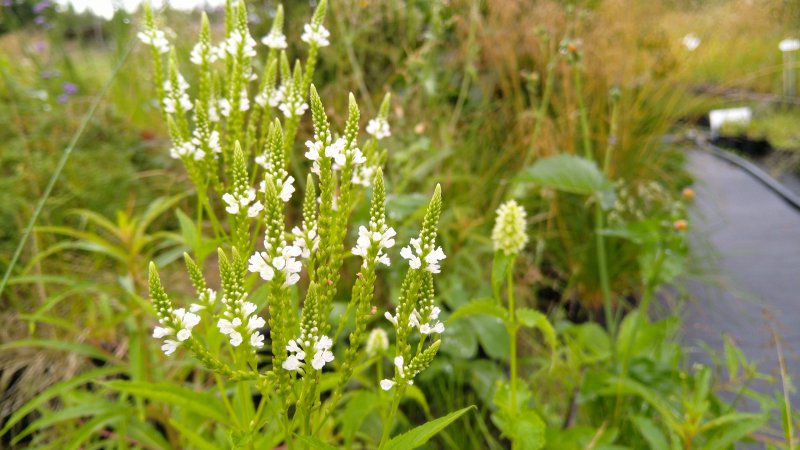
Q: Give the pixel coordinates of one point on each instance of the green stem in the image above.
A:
(585, 133)
(387, 426)
(512, 332)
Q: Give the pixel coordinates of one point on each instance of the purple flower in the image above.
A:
(8, 3)
(40, 20)
(41, 6)
(40, 46)
(63, 98)
(69, 88)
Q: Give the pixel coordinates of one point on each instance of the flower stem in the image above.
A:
(387, 426)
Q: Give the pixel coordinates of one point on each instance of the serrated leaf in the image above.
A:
(422, 434)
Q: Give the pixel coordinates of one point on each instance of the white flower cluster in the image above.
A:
(336, 151)
(292, 105)
(379, 127)
(298, 347)
(285, 261)
(429, 326)
(272, 98)
(431, 257)
(363, 175)
(212, 142)
(207, 300)
(185, 322)
(187, 149)
(235, 40)
(156, 38)
(307, 240)
(381, 236)
(284, 186)
(275, 39)
(238, 203)
(315, 34)
(173, 94)
(239, 329)
(402, 371)
(203, 52)
(225, 105)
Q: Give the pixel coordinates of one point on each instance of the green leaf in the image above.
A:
(567, 173)
(534, 319)
(500, 266)
(460, 341)
(526, 430)
(192, 436)
(654, 437)
(730, 435)
(421, 434)
(483, 306)
(56, 390)
(315, 443)
(360, 405)
(492, 335)
(81, 349)
(199, 403)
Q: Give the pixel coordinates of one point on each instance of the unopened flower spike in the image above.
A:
(305, 236)
(151, 35)
(206, 297)
(423, 253)
(509, 234)
(175, 324)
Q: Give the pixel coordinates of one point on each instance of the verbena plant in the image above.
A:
(288, 376)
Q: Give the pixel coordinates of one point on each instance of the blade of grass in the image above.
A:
(62, 162)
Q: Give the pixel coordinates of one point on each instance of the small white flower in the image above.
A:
(293, 107)
(315, 34)
(292, 363)
(399, 364)
(255, 209)
(387, 384)
(235, 338)
(224, 107)
(274, 39)
(169, 346)
(257, 340)
(379, 127)
(160, 332)
(258, 264)
(323, 354)
(188, 150)
(175, 95)
(202, 52)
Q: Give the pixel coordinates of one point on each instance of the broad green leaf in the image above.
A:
(89, 409)
(460, 341)
(483, 306)
(650, 432)
(199, 403)
(360, 405)
(421, 434)
(567, 173)
(492, 335)
(534, 319)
